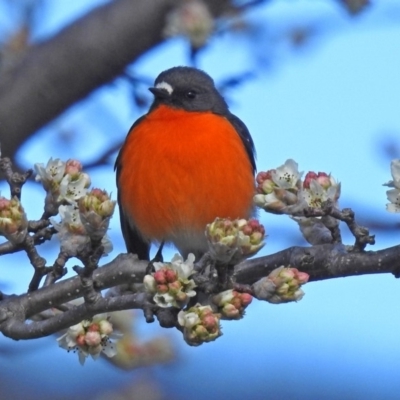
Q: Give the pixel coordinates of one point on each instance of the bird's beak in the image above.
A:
(159, 93)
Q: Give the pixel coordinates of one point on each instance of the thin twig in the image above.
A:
(58, 270)
(14, 179)
(347, 215)
(35, 226)
(38, 263)
(90, 258)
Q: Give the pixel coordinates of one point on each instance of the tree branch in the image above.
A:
(18, 329)
(83, 56)
(320, 262)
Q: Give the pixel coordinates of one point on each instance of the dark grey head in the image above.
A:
(188, 88)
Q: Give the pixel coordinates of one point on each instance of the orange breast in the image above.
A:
(181, 170)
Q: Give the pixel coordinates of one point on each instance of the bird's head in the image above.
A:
(188, 88)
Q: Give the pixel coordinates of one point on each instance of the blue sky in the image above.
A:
(326, 105)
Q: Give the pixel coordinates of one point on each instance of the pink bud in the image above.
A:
(246, 299)
(226, 223)
(174, 286)
(162, 289)
(73, 167)
(92, 338)
(247, 230)
(209, 322)
(237, 302)
(307, 180)
(324, 180)
(302, 277)
(254, 224)
(264, 175)
(205, 311)
(170, 275)
(80, 340)
(97, 192)
(159, 276)
(93, 327)
(4, 203)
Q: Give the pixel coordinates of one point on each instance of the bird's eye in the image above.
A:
(190, 94)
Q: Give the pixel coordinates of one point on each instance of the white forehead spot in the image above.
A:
(166, 86)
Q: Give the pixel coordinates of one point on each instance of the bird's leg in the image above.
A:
(222, 274)
(157, 258)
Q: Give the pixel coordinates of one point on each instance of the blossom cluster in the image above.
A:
(90, 337)
(282, 285)
(278, 188)
(200, 324)
(319, 188)
(85, 214)
(281, 190)
(231, 304)
(170, 282)
(232, 240)
(171, 286)
(64, 182)
(13, 221)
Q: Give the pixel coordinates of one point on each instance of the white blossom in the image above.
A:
(287, 175)
(395, 171)
(51, 174)
(90, 337)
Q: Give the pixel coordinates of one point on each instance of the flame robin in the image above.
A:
(184, 163)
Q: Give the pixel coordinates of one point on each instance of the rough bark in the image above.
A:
(320, 262)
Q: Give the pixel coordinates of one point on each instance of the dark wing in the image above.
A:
(133, 239)
(244, 134)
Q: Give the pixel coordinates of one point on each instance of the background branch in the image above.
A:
(83, 56)
(320, 262)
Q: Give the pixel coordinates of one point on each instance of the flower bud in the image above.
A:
(170, 275)
(105, 327)
(232, 304)
(150, 283)
(89, 337)
(230, 311)
(232, 240)
(170, 282)
(73, 168)
(92, 338)
(200, 325)
(265, 184)
(160, 277)
(13, 221)
(318, 188)
(282, 285)
(162, 289)
(174, 287)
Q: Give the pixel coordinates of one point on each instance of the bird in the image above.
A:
(186, 162)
